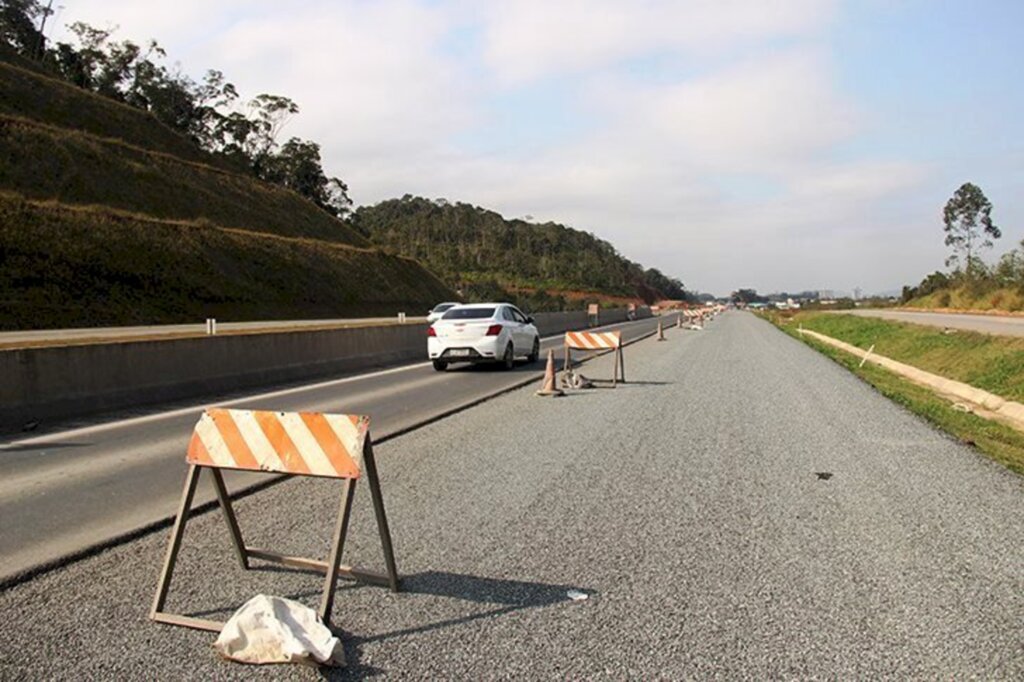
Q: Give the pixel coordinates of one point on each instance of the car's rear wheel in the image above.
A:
(508, 360)
(534, 355)
(440, 365)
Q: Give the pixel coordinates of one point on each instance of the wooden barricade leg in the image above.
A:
(622, 363)
(378, 510)
(229, 518)
(337, 547)
(157, 612)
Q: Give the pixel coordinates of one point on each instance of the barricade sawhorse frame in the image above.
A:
(596, 341)
(292, 443)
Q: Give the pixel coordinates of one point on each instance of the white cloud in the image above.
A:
(530, 39)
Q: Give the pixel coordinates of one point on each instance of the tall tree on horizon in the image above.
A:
(968, 226)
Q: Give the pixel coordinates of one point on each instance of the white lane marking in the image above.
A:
(199, 407)
(57, 436)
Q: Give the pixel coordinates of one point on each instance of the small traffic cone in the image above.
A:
(550, 388)
(661, 332)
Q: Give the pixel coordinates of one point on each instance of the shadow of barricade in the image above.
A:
(507, 596)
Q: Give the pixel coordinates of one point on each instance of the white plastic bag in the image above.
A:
(276, 630)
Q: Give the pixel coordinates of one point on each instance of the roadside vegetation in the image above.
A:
(487, 256)
(992, 363)
(971, 284)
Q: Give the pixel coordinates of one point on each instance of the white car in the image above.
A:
(438, 310)
(482, 332)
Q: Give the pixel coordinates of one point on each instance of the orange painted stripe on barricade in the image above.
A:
(197, 453)
(235, 442)
(593, 340)
(330, 444)
(311, 444)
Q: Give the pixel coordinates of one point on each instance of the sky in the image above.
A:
(779, 145)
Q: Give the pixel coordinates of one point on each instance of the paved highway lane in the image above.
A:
(987, 324)
(687, 504)
(63, 492)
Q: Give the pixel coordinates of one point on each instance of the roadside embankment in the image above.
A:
(1005, 410)
(960, 381)
(991, 363)
(62, 382)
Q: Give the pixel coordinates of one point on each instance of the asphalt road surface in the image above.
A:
(62, 492)
(35, 337)
(987, 324)
(744, 508)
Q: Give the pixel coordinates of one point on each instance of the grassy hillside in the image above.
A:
(73, 167)
(465, 244)
(108, 217)
(90, 266)
(30, 94)
(1001, 299)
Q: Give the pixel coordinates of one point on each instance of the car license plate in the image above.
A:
(459, 352)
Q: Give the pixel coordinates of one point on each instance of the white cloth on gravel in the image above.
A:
(276, 630)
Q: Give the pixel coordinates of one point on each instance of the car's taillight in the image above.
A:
(431, 332)
(493, 330)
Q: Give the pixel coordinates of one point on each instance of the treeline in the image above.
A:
(981, 285)
(483, 254)
(242, 135)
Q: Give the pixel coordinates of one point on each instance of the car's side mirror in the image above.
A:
(529, 320)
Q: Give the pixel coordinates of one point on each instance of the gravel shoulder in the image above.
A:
(686, 503)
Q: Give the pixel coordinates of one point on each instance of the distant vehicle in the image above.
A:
(438, 310)
(482, 332)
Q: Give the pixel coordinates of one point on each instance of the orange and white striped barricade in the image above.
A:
(290, 443)
(596, 341)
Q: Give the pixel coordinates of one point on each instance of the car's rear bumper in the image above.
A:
(481, 350)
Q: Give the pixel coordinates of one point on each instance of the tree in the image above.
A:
(747, 296)
(18, 26)
(968, 226)
(297, 166)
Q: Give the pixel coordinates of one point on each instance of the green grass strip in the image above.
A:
(1002, 443)
(991, 363)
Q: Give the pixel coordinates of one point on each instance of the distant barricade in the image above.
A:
(596, 341)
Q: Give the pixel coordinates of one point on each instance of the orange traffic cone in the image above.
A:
(661, 332)
(549, 388)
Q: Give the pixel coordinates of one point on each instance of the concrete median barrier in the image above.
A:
(61, 382)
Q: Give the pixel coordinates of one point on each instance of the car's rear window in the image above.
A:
(468, 314)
